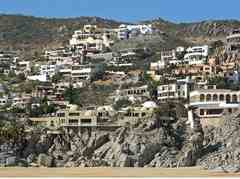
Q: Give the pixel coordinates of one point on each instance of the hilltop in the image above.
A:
(28, 32)
(197, 32)
(210, 28)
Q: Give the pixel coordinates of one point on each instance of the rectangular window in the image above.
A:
(61, 115)
(73, 121)
(73, 114)
(214, 111)
(136, 114)
(86, 120)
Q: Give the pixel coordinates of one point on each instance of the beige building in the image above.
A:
(141, 91)
(74, 117)
(134, 114)
(233, 41)
(212, 104)
(90, 39)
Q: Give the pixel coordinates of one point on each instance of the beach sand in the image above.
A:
(107, 172)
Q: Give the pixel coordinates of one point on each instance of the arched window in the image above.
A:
(228, 98)
(215, 97)
(234, 98)
(209, 97)
(221, 97)
(202, 97)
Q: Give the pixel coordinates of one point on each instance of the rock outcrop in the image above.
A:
(222, 151)
(148, 143)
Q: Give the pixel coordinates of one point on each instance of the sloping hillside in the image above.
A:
(197, 32)
(25, 31)
(209, 28)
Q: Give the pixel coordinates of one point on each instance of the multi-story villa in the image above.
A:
(210, 104)
(156, 66)
(90, 39)
(178, 90)
(203, 50)
(134, 114)
(233, 42)
(141, 91)
(21, 102)
(43, 91)
(42, 78)
(79, 73)
(57, 53)
(8, 57)
(126, 31)
(92, 117)
(123, 32)
(170, 56)
(74, 117)
(201, 69)
(49, 70)
(23, 67)
(196, 55)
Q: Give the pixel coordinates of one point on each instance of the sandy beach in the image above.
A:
(107, 172)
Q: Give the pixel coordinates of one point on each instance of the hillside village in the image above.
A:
(90, 104)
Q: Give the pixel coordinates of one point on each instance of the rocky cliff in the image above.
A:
(145, 144)
(222, 146)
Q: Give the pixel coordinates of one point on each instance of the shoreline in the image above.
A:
(109, 172)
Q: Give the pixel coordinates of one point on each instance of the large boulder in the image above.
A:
(45, 160)
(95, 141)
(124, 161)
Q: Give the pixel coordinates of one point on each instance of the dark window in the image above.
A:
(202, 97)
(73, 121)
(215, 97)
(234, 99)
(61, 114)
(52, 124)
(221, 97)
(209, 97)
(228, 98)
(214, 111)
(73, 114)
(86, 120)
(136, 114)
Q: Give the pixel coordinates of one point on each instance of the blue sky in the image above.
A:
(127, 10)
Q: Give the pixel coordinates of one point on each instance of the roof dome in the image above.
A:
(150, 104)
(73, 107)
